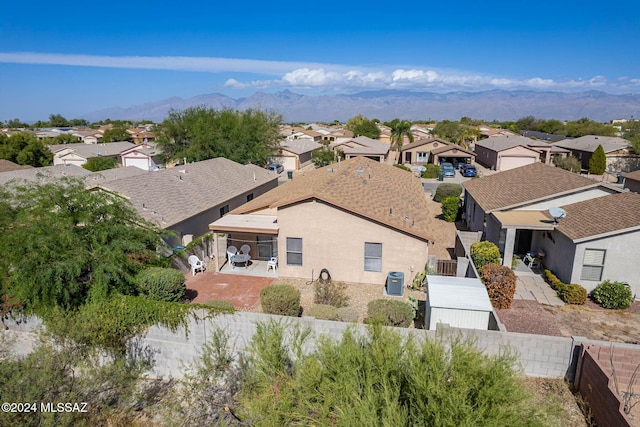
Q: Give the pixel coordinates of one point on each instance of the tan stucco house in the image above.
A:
(359, 219)
(506, 152)
(620, 157)
(294, 154)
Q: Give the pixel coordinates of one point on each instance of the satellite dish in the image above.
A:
(557, 213)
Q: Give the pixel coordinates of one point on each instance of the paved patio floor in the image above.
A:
(531, 286)
(241, 290)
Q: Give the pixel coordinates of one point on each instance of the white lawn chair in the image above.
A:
(196, 264)
(245, 249)
(273, 263)
(231, 253)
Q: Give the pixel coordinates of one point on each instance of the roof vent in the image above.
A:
(359, 171)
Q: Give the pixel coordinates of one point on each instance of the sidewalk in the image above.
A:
(531, 286)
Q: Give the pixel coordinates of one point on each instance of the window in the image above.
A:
(224, 210)
(249, 197)
(294, 251)
(593, 264)
(373, 256)
(422, 157)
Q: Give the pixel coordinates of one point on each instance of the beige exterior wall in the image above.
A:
(516, 157)
(425, 148)
(334, 239)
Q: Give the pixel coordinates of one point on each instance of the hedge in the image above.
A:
(161, 284)
(500, 282)
(447, 189)
(569, 293)
(432, 171)
(281, 299)
(389, 313)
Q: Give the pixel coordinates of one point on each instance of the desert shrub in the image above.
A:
(447, 189)
(281, 299)
(553, 281)
(570, 163)
(346, 314)
(389, 313)
(500, 282)
(331, 293)
(450, 208)
(403, 167)
(96, 164)
(483, 253)
(323, 311)
(431, 171)
(613, 295)
(219, 304)
(161, 284)
(573, 294)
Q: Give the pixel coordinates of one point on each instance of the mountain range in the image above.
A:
(386, 105)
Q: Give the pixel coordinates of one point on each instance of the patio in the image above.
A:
(531, 285)
(256, 268)
(243, 291)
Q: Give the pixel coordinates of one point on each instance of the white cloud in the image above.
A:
(323, 77)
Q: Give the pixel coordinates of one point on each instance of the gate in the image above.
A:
(447, 267)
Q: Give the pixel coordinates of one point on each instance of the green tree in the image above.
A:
(598, 161)
(116, 134)
(632, 134)
(570, 163)
(96, 164)
(362, 126)
(323, 156)
(201, 133)
(58, 121)
(62, 244)
(24, 149)
(65, 138)
(16, 124)
(400, 129)
(448, 130)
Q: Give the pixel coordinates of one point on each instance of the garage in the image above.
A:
(139, 162)
(460, 302)
(508, 162)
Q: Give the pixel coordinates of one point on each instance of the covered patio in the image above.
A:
(257, 232)
(517, 231)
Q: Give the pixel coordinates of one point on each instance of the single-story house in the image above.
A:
(632, 181)
(78, 154)
(362, 146)
(8, 166)
(187, 198)
(617, 151)
(592, 243)
(434, 150)
(359, 219)
(294, 154)
(48, 174)
(505, 152)
(144, 156)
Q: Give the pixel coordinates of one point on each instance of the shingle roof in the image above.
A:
(47, 173)
(300, 146)
(179, 193)
(368, 146)
(377, 191)
(450, 147)
(601, 216)
(7, 166)
(589, 143)
(94, 150)
(504, 142)
(518, 186)
(114, 174)
(635, 175)
(420, 142)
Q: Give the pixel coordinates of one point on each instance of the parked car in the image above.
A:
(447, 169)
(469, 171)
(275, 167)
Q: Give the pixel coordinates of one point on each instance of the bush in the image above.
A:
(281, 299)
(389, 313)
(598, 161)
(330, 293)
(553, 281)
(483, 253)
(219, 304)
(161, 284)
(323, 311)
(403, 167)
(346, 314)
(445, 190)
(569, 163)
(500, 282)
(612, 295)
(573, 294)
(450, 208)
(432, 171)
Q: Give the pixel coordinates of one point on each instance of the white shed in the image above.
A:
(460, 302)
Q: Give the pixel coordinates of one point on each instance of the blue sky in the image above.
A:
(75, 57)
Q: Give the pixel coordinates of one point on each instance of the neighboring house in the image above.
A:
(88, 136)
(543, 136)
(434, 150)
(359, 219)
(78, 154)
(505, 152)
(617, 150)
(488, 132)
(512, 208)
(48, 174)
(187, 198)
(295, 154)
(362, 146)
(141, 136)
(144, 156)
(297, 132)
(632, 181)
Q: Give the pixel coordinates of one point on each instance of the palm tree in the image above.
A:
(400, 129)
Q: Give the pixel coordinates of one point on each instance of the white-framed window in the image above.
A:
(372, 256)
(422, 157)
(593, 264)
(294, 251)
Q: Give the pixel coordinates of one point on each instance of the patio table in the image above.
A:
(241, 258)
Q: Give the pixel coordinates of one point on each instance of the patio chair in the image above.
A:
(245, 249)
(232, 251)
(273, 263)
(196, 264)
